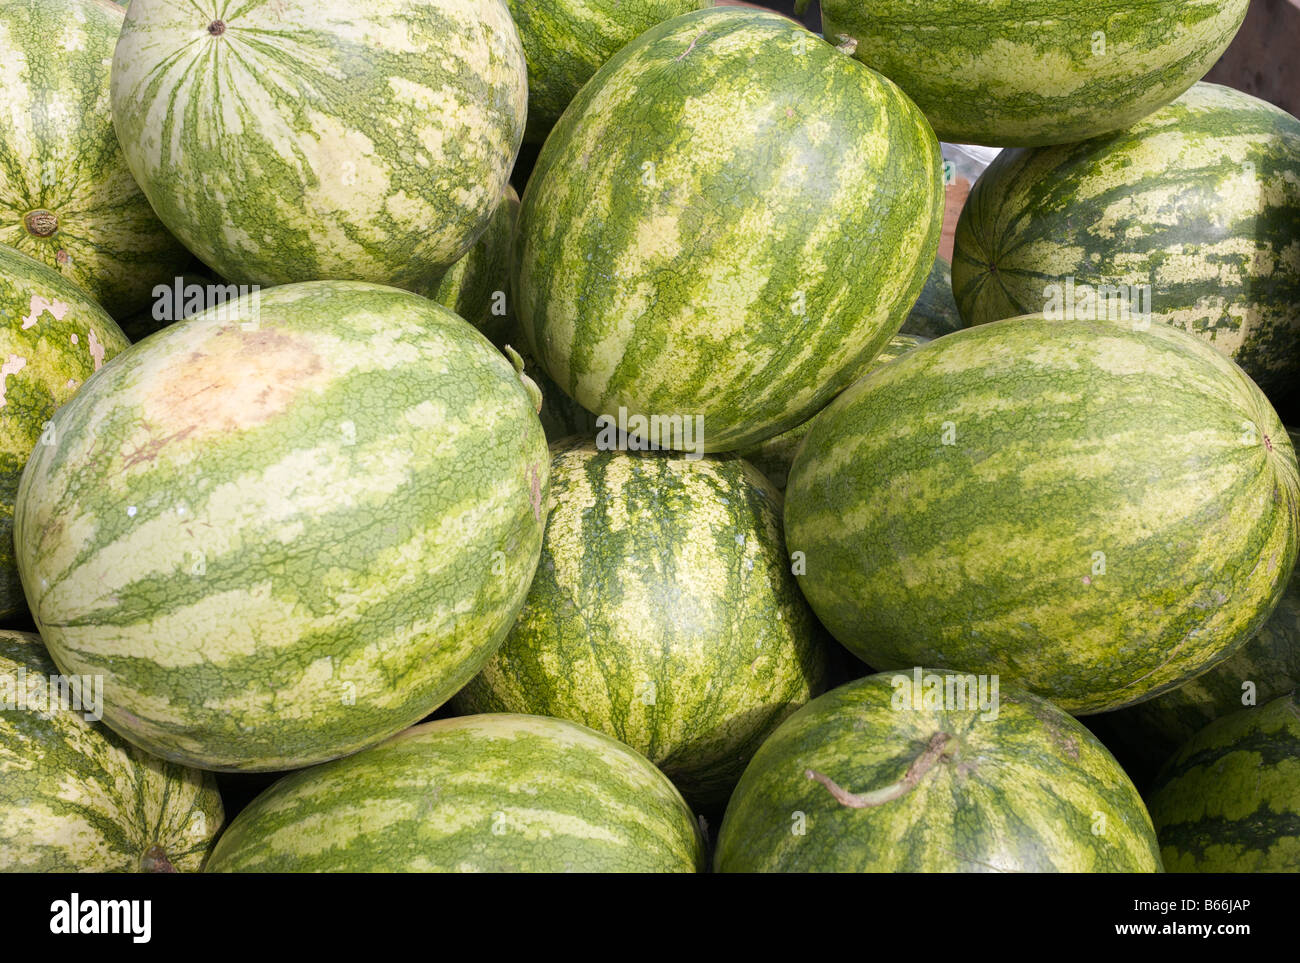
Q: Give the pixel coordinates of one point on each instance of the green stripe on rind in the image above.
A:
(730, 221)
(52, 338)
(60, 154)
(1095, 512)
(1031, 72)
(935, 312)
(74, 797)
(1199, 201)
(476, 287)
(663, 613)
(1229, 801)
(1028, 791)
(775, 456)
(567, 41)
(285, 541)
(321, 139)
(489, 793)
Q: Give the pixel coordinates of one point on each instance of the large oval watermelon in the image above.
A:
(885, 775)
(283, 536)
(52, 338)
(567, 41)
(1190, 218)
(66, 196)
(476, 287)
(1229, 801)
(491, 793)
(663, 613)
(693, 239)
(298, 140)
(74, 796)
(1029, 72)
(1094, 512)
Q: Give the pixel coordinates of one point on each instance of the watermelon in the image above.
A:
(74, 797)
(1097, 513)
(934, 772)
(299, 140)
(1229, 801)
(935, 312)
(1023, 73)
(66, 196)
(490, 793)
(663, 613)
(567, 41)
(52, 338)
(284, 530)
(691, 242)
(775, 456)
(1190, 218)
(476, 286)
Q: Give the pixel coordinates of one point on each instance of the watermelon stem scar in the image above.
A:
(217, 28)
(41, 223)
(936, 750)
(155, 860)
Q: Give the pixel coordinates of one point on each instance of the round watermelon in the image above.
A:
(1029, 72)
(663, 613)
(66, 196)
(52, 338)
(75, 797)
(476, 287)
(490, 793)
(284, 531)
(1189, 218)
(1229, 801)
(934, 772)
(299, 140)
(1097, 513)
(730, 221)
(775, 456)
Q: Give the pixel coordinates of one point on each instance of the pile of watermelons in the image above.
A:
(557, 530)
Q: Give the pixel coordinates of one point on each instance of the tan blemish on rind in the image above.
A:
(96, 349)
(236, 380)
(12, 365)
(38, 306)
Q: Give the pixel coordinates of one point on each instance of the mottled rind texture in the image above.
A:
(663, 613)
(298, 140)
(76, 798)
(1200, 202)
(1097, 513)
(567, 41)
(731, 220)
(59, 155)
(489, 793)
(1028, 791)
(286, 539)
(52, 338)
(1024, 73)
(1229, 801)
(477, 286)
(935, 312)
(775, 456)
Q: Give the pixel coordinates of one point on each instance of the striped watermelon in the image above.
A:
(1030, 72)
(1229, 801)
(1199, 203)
(284, 536)
(567, 41)
(876, 776)
(74, 797)
(663, 613)
(691, 240)
(775, 456)
(66, 196)
(935, 312)
(1097, 513)
(52, 338)
(493, 793)
(476, 286)
(297, 140)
